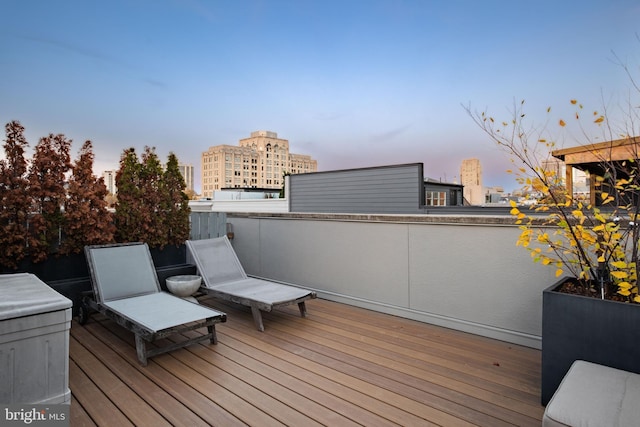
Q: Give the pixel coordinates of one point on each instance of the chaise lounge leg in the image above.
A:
(303, 309)
(257, 318)
(141, 349)
(212, 332)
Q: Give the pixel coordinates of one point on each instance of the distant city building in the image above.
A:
(471, 179)
(110, 181)
(187, 174)
(494, 195)
(259, 161)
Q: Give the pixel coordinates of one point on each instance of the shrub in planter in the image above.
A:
(152, 206)
(594, 242)
(45, 222)
(37, 209)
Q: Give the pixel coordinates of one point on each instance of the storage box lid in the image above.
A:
(23, 294)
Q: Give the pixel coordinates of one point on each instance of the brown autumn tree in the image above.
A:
(14, 197)
(51, 161)
(88, 222)
(175, 203)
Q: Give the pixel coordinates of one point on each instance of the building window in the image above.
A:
(436, 198)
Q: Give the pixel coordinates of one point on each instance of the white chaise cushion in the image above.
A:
(595, 395)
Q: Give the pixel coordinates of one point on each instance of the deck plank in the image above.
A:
(132, 405)
(341, 365)
(96, 404)
(172, 409)
(278, 383)
(234, 404)
(78, 416)
(393, 362)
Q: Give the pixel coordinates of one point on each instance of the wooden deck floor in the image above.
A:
(340, 366)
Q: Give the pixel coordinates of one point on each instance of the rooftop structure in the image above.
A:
(590, 158)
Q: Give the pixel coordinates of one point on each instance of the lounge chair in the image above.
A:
(126, 290)
(224, 278)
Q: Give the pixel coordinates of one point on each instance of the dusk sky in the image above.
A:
(351, 83)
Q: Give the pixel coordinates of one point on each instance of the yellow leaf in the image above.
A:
(619, 264)
(636, 299)
(619, 274)
(562, 123)
(601, 258)
(599, 119)
(513, 203)
(625, 285)
(624, 292)
(559, 272)
(573, 101)
(514, 211)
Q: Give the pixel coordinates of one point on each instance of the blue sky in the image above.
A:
(341, 80)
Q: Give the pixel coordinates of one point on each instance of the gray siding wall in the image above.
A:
(385, 189)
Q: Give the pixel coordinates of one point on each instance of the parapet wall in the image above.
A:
(461, 272)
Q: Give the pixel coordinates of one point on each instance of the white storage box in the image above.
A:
(34, 341)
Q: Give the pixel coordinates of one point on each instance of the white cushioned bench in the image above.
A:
(595, 395)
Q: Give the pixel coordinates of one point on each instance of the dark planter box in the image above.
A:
(54, 267)
(74, 266)
(582, 328)
(169, 255)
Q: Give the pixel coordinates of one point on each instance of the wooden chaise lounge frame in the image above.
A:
(224, 278)
(126, 290)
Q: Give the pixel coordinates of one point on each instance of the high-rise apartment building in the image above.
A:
(259, 161)
(109, 178)
(471, 179)
(187, 174)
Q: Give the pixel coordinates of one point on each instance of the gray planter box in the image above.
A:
(34, 342)
(582, 328)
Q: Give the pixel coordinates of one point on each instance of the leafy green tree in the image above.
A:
(153, 227)
(14, 197)
(88, 222)
(175, 203)
(128, 215)
(51, 161)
